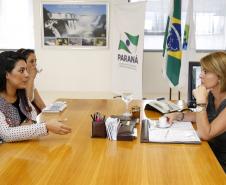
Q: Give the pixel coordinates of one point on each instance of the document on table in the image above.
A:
(179, 132)
(55, 107)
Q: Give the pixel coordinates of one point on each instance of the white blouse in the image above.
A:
(19, 133)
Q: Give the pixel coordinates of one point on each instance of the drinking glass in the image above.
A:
(127, 98)
(39, 68)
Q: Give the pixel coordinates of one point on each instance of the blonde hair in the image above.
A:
(216, 63)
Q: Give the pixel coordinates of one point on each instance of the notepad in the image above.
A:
(55, 107)
(179, 132)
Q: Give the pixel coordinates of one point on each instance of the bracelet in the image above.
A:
(202, 104)
(47, 130)
(182, 116)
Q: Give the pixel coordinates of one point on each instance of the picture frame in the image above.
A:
(76, 25)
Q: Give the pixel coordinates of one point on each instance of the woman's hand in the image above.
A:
(57, 127)
(32, 72)
(200, 94)
(176, 116)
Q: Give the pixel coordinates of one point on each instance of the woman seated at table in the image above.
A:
(210, 115)
(17, 115)
(32, 92)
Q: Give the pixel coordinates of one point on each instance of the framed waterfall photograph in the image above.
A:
(75, 25)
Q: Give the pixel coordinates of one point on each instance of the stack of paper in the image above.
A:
(179, 132)
(55, 107)
(112, 127)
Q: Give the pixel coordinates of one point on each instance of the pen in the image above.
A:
(161, 98)
(167, 132)
(117, 96)
(92, 117)
(97, 117)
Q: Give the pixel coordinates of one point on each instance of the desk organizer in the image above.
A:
(99, 129)
(126, 131)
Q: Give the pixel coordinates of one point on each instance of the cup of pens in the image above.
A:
(98, 125)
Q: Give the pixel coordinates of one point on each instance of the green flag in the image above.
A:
(128, 43)
(172, 44)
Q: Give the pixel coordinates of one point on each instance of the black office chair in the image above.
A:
(193, 72)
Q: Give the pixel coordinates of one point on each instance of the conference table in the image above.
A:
(78, 159)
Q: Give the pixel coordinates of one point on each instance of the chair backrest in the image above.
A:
(194, 71)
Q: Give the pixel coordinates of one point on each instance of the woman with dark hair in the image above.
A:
(210, 115)
(32, 92)
(15, 108)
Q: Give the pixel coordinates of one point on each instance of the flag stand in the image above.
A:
(170, 94)
(178, 95)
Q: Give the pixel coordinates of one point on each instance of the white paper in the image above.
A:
(55, 107)
(179, 132)
(112, 126)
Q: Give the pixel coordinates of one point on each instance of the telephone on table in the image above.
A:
(162, 106)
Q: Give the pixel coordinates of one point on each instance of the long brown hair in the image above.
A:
(8, 60)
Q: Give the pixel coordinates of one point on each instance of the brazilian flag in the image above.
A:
(172, 44)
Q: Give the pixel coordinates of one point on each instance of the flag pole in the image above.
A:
(172, 45)
(170, 94)
(178, 95)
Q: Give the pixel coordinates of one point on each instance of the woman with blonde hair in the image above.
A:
(210, 115)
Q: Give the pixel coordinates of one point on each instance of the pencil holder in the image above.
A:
(99, 129)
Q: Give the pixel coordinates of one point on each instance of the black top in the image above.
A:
(22, 116)
(218, 144)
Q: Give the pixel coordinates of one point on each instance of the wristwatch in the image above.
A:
(201, 107)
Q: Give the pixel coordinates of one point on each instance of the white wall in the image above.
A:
(68, 70)
(71, 69)
(153, 81)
